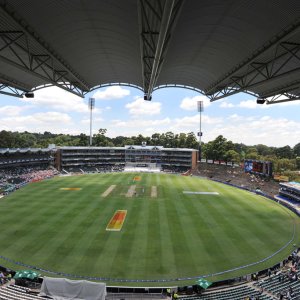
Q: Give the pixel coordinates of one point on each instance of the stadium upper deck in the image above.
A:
(68, 157)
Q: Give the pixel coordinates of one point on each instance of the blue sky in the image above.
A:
(122, 111)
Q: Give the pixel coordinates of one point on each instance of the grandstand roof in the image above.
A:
(24, 150)
(216, 47)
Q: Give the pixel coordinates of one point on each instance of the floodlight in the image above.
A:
(260, 100)
(29, 95)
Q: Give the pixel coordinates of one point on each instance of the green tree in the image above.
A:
(264, 150)
(232, 156)
(128, 142)
(155, 139)
(219, 148)
(252, 153)
(169, 139)
(207, 150)
(25, 140)
(119, 141)
(83, 140)
(191, 141)
(100, 139)
(284, 164)
(298, 162)
(181, 140)
(296, 150)
(102, 131)
(138, 140)
(284, 152)
(7, 139)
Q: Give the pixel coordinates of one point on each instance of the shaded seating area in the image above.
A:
(281, 283)
(235, 293)
(15, 292)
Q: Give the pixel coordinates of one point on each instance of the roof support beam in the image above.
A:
(10, 91)
(160, 45)
(288, 88)
(274, 42)
(285, 62)
(46, 57)
(280, 98)
(6, 80)
(156, 25)
(62, 84)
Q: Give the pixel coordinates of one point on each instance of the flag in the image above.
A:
(204, 283)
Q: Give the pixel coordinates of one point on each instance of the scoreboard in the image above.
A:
(258, 167)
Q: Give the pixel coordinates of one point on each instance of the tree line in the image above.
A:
(9, 139)
(283, 158)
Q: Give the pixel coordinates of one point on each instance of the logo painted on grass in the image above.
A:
(137, 178)
(116, 222)
(70, 189)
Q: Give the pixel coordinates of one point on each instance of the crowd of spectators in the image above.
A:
(236, 175)
(14, 178)
(174, 169)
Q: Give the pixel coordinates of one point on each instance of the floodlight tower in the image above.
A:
(200, 110)
(91, 107)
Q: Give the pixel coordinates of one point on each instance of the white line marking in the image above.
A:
(200, 193)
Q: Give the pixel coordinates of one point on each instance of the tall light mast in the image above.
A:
(91, 107)
(200, 110)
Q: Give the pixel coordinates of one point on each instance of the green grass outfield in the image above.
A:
(173, 235)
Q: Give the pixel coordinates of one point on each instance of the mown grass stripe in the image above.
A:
(168, 237)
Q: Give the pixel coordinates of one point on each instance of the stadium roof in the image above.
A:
(216, 47)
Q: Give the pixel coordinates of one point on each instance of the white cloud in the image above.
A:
(39, 118)
(110, 93)
(256, 130)
(191, 103)
(11, 110)
(141, 107)
(193, 122)
(235, 117)
(148, 127)
(145, 127)
(226, 105)
(55, 122)
(140, 124)
(248, 104)
(87, 121)
(58, 99)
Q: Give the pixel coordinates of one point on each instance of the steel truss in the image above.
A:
(115, 84)
(179, 86)
(10, 91)
(284, 97)
(285, 93)
(22, 48)
(157, 20)
(284, 61)
(12, 87)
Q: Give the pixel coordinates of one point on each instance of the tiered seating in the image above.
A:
(15, 292)
(235, 293)
(275, 286)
